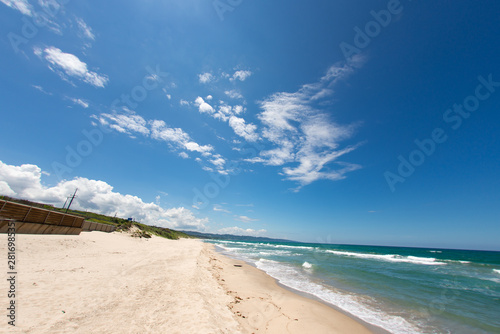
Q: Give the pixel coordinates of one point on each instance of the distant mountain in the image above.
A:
(231, 237)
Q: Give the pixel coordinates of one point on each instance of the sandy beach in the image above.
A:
(113, 283)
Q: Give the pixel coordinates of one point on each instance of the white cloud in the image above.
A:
(80, 102)
(245, 219)
(167, 94)
(21, 5)
(184, 103)
(205, 77)
(40, 88)
(241, 75)
(68, 64)
(219, 208)
(192, 146)
(242, 129)
(85, 30)
(25, 182)
(203, 107)
(160, 131)
(209, 97)
(183, 155)
(240, 231)
(5, 189)
(233, 94)
(218, 161)
(305, 137)
(127, 123)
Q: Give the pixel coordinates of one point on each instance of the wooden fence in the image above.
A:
(35, 220)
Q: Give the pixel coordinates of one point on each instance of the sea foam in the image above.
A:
(289, 276)
(391, 258)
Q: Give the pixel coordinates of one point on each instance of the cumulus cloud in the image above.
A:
(225, 112)
(68, 65)
(195, 147)
(247, 131)
(203, 107)
(132, 123)
(126, 123)
(235, 230)
(241, 75)
(25, 182)
(233, 94)
(304, 136)
(176, 139)
(205, 77)
(218, 161)
(160, 131)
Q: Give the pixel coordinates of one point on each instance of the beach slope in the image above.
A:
(114, 283)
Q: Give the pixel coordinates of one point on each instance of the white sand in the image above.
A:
(113, 283)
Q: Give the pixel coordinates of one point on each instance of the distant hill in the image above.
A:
(231, 237)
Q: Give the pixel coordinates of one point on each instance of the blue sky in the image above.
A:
(367, 122)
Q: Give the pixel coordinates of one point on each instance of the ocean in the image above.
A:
(399, 289)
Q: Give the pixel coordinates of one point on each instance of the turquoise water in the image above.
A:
(402, 290)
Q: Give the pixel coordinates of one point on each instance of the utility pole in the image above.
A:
(72, 198)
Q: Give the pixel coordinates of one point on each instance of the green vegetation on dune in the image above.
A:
(121, 224)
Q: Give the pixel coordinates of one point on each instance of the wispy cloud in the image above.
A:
(68, 65)
(22, 6)
(80, 102)
(219, 208)
(40, 88)
(245, 219)
(233, 94)
(306, 140)
(84, 29)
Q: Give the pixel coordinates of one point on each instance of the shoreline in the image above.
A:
(278, 306)
(373, 328)
(113, 283)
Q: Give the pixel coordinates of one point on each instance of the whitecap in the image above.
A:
(391, 258)
(307, 265)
